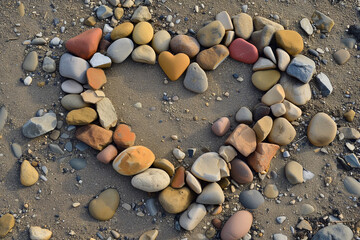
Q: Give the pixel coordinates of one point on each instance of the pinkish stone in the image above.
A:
(243, 138)
(243, 51)
(221, 126)
(241, 172)
(107, 154)
(237, 226)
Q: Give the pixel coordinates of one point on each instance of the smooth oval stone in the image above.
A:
(244, 115)
(211, 194)
(334, 232)
(133, 160)
(293, 112)
(122, 30)
(193, 183)
(31, 61)
(306, 209)
(196, 79)
(82, 116)
(103, 208)
(73, 67)
(3, 117)
(282, 132)
(192, 216)
(210, 59)
(264, 80)
(295, 91)
(251, 199)
(85, 44)
(39, 233)
(321, 130)
(16, 149)
(175, 200)
(185, 44)
(161, 41)
(173, 66)
(271, 191)
(7, 222)
(352, 185)
(237, 226)
(38, 126)
(165, 165)
(119, 50)
(341, 56)
(78, 163)
(143, 33)
(28, 174)
(151, 180)
(243, 25)
(221, 126)
(305, 24)
(283, 59)
(144, 54)
(241, 172)
(107, 154)
(71, 86)
(211, 34)
(73, 101)
(178, 180)
(289, 40)
(243, 51)
(294, 172)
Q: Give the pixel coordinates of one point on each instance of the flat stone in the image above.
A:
(119, 50)
(7, 222)
(211, 194)
(210, 167)
(334, 232)
(321, 130)
(261, 22)
(243, 51)
(260, 159)
(99, 60)
(49, 65)
(351, 159)
(225, 20)
(192, 216)
(302, 68)
(3, 117)
(38, 126)
(94, 136)
(306, 209)
(251, 199)
(232, 230)
(211, 58)
(55, 148)
(185, 44)
(283, 59)
(289, 40)
(73, 67)
(349, 42)
(122, 30)
(16, 150)
(228, 153)
(241, 172)
(322, 22)
(151, 180)
(282, 132)
(175, 200)
(243, 138)
(271, 191)
(161, 41)
(106, 112)
(107, 154)
(221, 126)
(211, 34)
(142, 13)
(82, 116)
(193, 182)
(71, 86)
(144, 54)
(91, 96)
(294, 172)
(78, 163)
(276, 94)
(295, 91)
(104, 12)
(350, 133)
(31, 61)
(306, 26)
(352, 186)
(262, 128)
(243, 24)
(85, 44)
(143, 33)
(264, 80)
(105, 205)
(263, 64)
(28, 174)
(293, 112)
(341, 56)
(244, 115)
(173, 65)
(37, 233)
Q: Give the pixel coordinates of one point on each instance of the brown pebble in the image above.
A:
(216, 223)
(179, 179)
(349, 116)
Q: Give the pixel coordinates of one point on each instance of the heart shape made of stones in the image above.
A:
(173, 65)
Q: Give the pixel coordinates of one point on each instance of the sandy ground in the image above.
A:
(129, 83)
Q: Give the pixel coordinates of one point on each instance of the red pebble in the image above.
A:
(179, 178)
(107, 154)
(243, 51)
(85, 44)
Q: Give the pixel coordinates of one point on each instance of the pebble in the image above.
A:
(107, 154)
(31, 61)
(149, 235)
(90, 21)
(193, 183)
(278, 109)
(85, 44)
(334, 232)
(282, 132)
(185, 44)
(352, 186)
(161, 41)
(349, 116)
(175, 200)
(73, 67)
(104, 12)
(321, 130)
(115, 234)
(261, 22)
(228, 153)
(279, 236)
(3, 117)
(244, 115)
(123, 136)
(251, 199)
(38, 126)
(264, 80)
(302, 68)
(21, 9)
(211, 58)
(260, 160)
(7, 222)
(142, 13)
(143, 33)
(104, 206)
(294, 172)
(232, 230)
(243, 138)
(268, 52)
(192, 216)
(303, 224)
(144, 54)
(211, 34)
(90, 96)
(120, 49)
(228, 38)
(271, 191)
(341, 56)
(243, 25)
(210, 167)
(349, 133)
(107, 113)
(274, 95)
(73, 101)
(262, 128)
(306, 209)
(133, 160)
(349, 42)
(49, 65)
(99, 60)
(28, 174)
(107, 29)
(225, 20)
(295, 91)
(178, 180)
(283, 59)
(82, 116)
(94, 136)
(322, 22)
(16, 149)
(178, 154)
(280, 219)
(221, 126)
(173, 66)
(240, 172)
(165, 165)
(211, 194)
(260, 111)
(306, 26)
(118, 13)
(55, 148)
(38, 41)
(262, 38)
(78, 163)
(243, 51)
(324, 84)
(151, 180)
(289, 40)
(263, 64)
(39, 233)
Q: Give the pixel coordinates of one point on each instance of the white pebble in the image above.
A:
(27, 81)
(178, 154)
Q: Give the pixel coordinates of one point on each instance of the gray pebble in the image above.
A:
(38, 41)
(44, 169)
(81, 146)
(279, 236)
(69, 147)
(54, 135)
(55, 148)
(78, 163)
(151, 206)
(38, 126)
(280, 219)
(251, 199)
(16, 149)
(3, 117)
